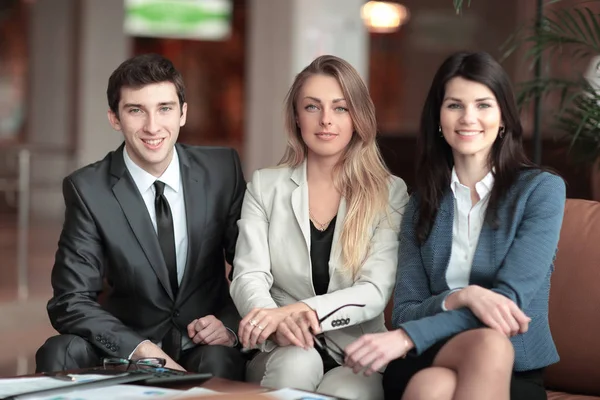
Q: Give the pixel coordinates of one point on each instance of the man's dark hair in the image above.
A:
(140, 71)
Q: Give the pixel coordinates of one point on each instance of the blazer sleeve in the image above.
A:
(235, 208)
(527, 264)
(77, 279)
(375, 282)
(252, 278)
(413, 297)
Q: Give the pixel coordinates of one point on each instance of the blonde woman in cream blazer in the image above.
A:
(276, 286)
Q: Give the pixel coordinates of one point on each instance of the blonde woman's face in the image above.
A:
(323, 117)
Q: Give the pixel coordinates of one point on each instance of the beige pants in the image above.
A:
(297, 368)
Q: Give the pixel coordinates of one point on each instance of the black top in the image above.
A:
(320, 250)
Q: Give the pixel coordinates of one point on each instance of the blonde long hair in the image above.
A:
(360, 174)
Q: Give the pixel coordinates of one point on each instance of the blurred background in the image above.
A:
(238, 59)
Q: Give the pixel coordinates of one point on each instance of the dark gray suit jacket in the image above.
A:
(108, 239)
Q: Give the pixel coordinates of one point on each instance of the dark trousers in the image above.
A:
(68, 352)
(526, 385)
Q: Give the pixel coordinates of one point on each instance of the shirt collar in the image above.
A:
(144, 180)
(483, 187)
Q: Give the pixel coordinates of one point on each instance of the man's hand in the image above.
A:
(211, 331)
(149, 349)
(373, 351)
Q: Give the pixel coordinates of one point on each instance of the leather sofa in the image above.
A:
(574, 305)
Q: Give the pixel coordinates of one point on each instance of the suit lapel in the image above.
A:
(441, 238)
(194, 192)
(300, 201)
(484, 257)
(134, 208)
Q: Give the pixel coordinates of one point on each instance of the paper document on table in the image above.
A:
(195, 393)
(293, 394)
(13, 386)
(129, 392)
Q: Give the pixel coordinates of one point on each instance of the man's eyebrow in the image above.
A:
(132, 105)
(162, 103)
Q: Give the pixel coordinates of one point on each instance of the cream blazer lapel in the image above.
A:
(300, 202)
(300, 207)
(335, 258)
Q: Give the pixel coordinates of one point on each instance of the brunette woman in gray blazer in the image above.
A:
(476, 251)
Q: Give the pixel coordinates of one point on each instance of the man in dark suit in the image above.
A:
(150, 227)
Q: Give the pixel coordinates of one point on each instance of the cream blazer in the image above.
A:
(272, 265)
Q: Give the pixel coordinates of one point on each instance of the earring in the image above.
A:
(440, 131)
(501, 132)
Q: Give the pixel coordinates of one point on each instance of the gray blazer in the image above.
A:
(515, 260)
(272, 264)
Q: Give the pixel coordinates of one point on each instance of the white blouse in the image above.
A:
(468, 221)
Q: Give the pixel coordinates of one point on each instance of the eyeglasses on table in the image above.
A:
(127, 365)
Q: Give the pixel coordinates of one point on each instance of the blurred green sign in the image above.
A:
(187, 19)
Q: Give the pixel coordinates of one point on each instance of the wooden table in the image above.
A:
(235, 389)
(226, 386)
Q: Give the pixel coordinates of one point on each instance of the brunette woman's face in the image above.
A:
(470, 118)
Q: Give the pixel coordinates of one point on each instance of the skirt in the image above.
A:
(525, 385)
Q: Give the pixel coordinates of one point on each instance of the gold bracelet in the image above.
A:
(406, 344)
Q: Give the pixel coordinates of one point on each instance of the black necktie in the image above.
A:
(171, 343)
(166, 233)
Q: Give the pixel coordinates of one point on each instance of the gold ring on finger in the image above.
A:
(260, 327)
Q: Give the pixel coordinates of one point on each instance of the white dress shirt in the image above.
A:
(174, 194)
(468, 221)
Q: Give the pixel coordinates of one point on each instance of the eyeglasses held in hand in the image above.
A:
(335, 351)
(140, 363)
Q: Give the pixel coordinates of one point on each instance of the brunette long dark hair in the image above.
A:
(434, 155)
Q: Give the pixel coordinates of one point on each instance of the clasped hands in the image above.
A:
(207, 330)
(286, 326)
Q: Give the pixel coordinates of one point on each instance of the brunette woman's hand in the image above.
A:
(372, 351)
(494, 310)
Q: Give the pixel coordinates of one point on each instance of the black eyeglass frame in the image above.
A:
(335, 350)
(139, 363)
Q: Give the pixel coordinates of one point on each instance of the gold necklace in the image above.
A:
(321, 226)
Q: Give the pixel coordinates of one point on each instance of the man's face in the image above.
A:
(150, 118)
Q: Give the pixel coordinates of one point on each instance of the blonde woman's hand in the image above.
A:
(260, 323)
(297, 327)
(372, 351)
